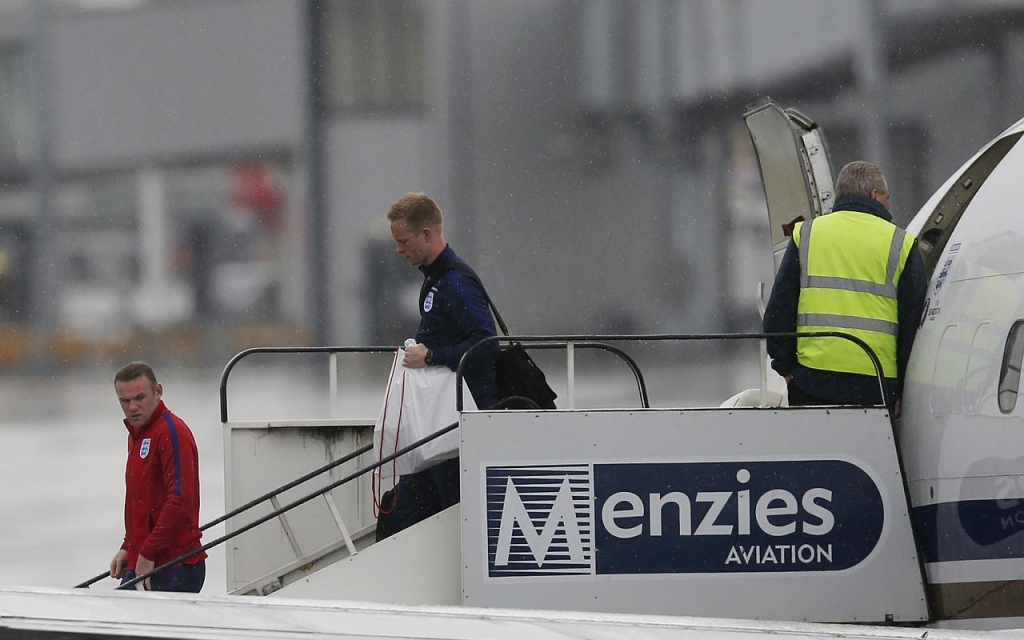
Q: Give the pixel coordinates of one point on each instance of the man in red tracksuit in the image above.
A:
(161, 507)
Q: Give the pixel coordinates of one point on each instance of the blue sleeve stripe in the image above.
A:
(177, 454)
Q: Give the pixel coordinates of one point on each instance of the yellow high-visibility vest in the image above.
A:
(850, 266)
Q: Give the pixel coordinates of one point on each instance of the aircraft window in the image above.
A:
(374, 55)
(977, 378)
(947, 372)
(1009, 375)
(16, 126)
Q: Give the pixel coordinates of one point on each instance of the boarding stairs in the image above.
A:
(290, 544)
(814, 500)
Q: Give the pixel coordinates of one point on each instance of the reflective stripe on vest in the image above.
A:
(864, 308)
(886, 289)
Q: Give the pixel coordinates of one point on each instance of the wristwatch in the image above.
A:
(429, 358)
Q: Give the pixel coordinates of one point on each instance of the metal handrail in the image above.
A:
(596, 341)
(556, 342)
(296, 350)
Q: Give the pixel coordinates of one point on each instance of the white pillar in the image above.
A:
(154, 288)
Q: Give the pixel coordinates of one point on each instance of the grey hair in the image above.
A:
(860, 178)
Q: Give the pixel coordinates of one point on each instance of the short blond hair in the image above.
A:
(419, 211)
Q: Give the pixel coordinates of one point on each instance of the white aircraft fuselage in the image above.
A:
(962, 432)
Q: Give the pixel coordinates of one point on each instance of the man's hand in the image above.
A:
(142, 566)
(415, 356)
(119, 564)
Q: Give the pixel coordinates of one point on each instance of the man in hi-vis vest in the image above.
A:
(852, 271)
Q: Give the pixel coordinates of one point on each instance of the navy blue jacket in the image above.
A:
(780, 317)
(454, 316)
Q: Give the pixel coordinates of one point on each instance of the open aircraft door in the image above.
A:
(795, 169)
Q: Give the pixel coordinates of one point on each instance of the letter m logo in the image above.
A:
(539, 520)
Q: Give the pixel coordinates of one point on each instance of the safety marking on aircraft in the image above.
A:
(971, 530)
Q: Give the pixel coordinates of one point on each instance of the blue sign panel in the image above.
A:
(539, 520)
(663, 518)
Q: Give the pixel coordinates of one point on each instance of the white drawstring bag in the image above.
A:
(417, 403)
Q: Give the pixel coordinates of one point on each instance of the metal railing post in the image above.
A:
(570, 367)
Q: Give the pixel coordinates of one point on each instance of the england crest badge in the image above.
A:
(144, 449)
(428, 302)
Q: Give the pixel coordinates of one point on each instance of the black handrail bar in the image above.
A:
(248, 352)
(555, 341)
(266, 496)
(641, 384)
(366, 448)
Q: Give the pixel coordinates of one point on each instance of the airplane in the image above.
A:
(959, 433)
(746, 518)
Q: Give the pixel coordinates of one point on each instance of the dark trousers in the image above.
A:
(800, 398)
(183, 578)
(417, 496)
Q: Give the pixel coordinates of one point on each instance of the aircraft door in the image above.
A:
(795, 168)
(943, 218)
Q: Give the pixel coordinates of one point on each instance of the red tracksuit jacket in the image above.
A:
(161, 507)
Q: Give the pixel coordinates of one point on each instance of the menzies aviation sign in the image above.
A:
(680, 517)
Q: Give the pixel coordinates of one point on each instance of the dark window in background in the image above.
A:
(374, 54)
(16, 134)
(16, 253)
(844, 144)
(908, 158)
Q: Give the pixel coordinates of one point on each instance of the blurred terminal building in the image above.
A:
(187, 178)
